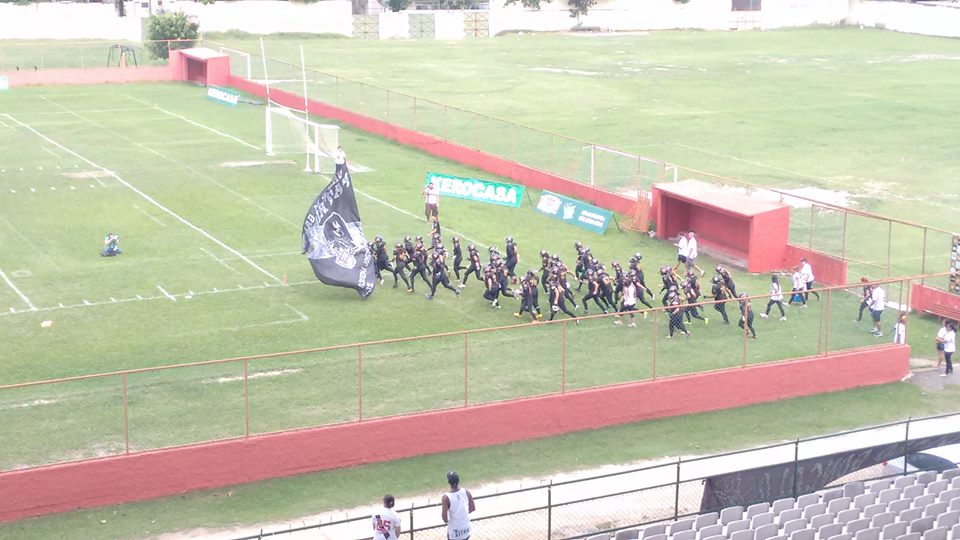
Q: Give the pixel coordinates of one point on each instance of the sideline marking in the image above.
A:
(165, 293)
(18, 291)
(148, 214)
(193, 123)
(221, 261)
(148, 198)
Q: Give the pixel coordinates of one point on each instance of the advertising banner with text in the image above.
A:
(473, 189)
(575, 212)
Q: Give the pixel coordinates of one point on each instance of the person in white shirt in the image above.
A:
(629, 302)
(386, 524)
(693, 251)
(776, 298)
(431, 201)
(807, 272)
(796, 295)
(682, 249)
(949, 347)
(456, 509)
(939, 341)
(878, 300)
(900, 330)
(340, 160)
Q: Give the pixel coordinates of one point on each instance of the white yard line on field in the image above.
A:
(194, 123)
(165, 293)
(148, 198)
(221, 261)
(18, 291)
(91, 111)
(149, 215)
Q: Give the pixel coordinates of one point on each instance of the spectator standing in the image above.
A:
(806, 271)
(431, 201)
(878, 300)
(796, 294)
(386, 523)
(900, 330)
(457, 506)
(949, 347)
(682, 249)
(340, 161)
(693, 251)
(939, 341)
(865, 302)
(776, 298)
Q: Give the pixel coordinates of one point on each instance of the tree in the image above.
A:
(170, 26)
(529, 4)
(121, 8)
(397, 5)
(580, 7)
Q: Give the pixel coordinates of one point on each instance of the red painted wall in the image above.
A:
(923, 297)
(88, 76)
(429, 144)
(827, 269)
(167, 472)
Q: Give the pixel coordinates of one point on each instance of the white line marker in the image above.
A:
(198, 124)
(87, 303)
(138, 298)
(52, 188)
(73, 188)
(93, 186)
(12, 310)
(60, 304)
(257, 375)
(32, 190)
(148, 198)
(221, 261)
(112, 299)
(149, 215)
(18, 291)
(414, 216)
(165, 293)
(13, 191)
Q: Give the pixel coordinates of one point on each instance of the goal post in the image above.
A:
(287, 132)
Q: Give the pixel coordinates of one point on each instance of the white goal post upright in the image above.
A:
(289, 133)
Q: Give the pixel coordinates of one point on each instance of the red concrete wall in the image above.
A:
(429, 144)
(768, 239)
(100, 75)
(827, 269)
(922, 297)
(168, 472)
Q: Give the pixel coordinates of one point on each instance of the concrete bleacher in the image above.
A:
(919, 506)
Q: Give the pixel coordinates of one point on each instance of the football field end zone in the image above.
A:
(152, 474)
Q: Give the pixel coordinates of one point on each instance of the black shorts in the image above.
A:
(682, 258)
(430, 209)
(875, 313)
(939, 346)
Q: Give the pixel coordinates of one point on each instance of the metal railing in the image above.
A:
(582, 507)
(36, 55)
(123, 412)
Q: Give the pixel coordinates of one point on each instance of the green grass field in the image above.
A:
(208, 246)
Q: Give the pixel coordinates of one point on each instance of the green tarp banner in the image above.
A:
(473, 189)
(574, 212)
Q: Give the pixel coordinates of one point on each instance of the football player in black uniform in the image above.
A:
(727, 279)
(746, 315)
(474, 267)
(457, 257)
(419, 261)
(491, 286)
(557, 300)
(382, 257)
(721, 294)
(675, 313)
(440, 276)
(401, 262)
(512, 258)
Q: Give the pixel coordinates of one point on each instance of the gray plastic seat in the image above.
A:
(731, 514)
(889, 495)
(955, 532)
(710, 530)
(829, 531)
(841, 537)
(688, 534)
(819, 521)
(921, 525)
(936, 534)
(814, 510)
(871, 533)
(934, 509)
(847, 516)
(954, 505)
(905, 481)
(793, 525)
(653, 530)
(766, 531)
(657, 537)
(938, 486)
(899, 505)
(910, 514)
(912, 492)
(627, 534)
(880, 521)
(947, 519)
(803, 534)
(716, 537)
(761, 519)
(789, 515)
(679, 526)
(948, 495)
(858, 525)
(893, 531)
(780, 537)
(910, 536)
(804, 501)
(838, 504)
(864, 500)
(955, 482)
(704, 520)
(831, 495)
(949, 474)
(738, 525)
(757, 509)
(879, 485)
(599, 537)
(923, 500)
(747, 534)
(925, 477)
(875, 510)
(780, 505)
(853, 489)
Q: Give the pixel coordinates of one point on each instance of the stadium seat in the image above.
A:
(889, 495)
(823, 519)
(814, 510)
(780, 505)
(831, 495)
(925, 477)
(899, 505)
(780, 537)
(954, 504)
(846, 516)
(600, 537)
(803, 534)
(757, 509)
(761, 519)
(739, 525)
(955, 482)
(657, 537)
(743, 535)
(793, 525)
(923, 500)
(841, 537)
(875, 510)
(627, 534)
(938, 486)
(864, 500)
(948, 495)
(679, 526)
(879, 485)
(910, 536)
(936, 534)
(804, 501)
(912, 492)
(949, 474)
(704, 520)
(730, 514)
(710, 530)
(910, 514)
(789, 515)
(905, 481)
(853, 489)
(838, 504)
(954, 533)
(857, 525)
(829, 531)
(688, 534)
(921, 525)
(871, 533)
(948, 519)
(655, 529)
(935, 509)
(893, 531)
(717, 537)
(766, 531)
(882, 520)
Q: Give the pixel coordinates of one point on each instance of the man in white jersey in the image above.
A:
(693, 251)
(386, 524)
(457, 506)
(340, 160)
(682, 249)
(878, 301)
(806, 271)
(431, 201)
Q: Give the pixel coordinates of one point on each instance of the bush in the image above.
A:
(167, 26)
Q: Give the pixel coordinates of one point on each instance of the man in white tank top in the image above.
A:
(457, 506)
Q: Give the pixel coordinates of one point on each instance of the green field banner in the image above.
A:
(222, 95)
(4, 83)
(473, 189)
(574, 212)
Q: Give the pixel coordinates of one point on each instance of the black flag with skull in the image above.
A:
(333, 239)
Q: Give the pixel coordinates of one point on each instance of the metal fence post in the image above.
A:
(826, 323)
(411, 521)
(676, 492)
(923, 255)
(359, 383)
(246, 398)
(465, 375)
(550, 510)
(796, 466)
(656, 332)
(563, 357)
(889, 244)
(843, 237)
(414, 114)
(126, 421)
(906, 444)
